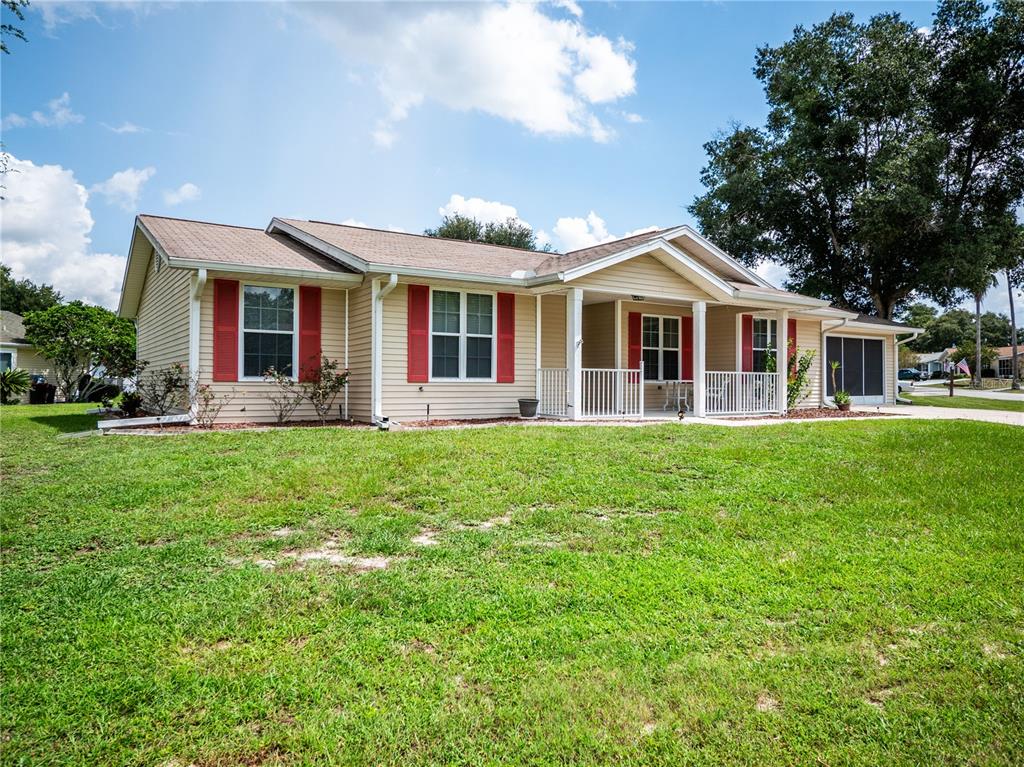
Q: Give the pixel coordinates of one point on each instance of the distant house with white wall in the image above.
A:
(15, 350)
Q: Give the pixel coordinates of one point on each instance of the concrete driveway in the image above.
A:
(948, 413)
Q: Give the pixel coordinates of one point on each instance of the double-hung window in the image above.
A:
(268, 330)
(461, 335)
(660, 346)
(764, 343)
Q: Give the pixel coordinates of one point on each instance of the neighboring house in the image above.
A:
(933, 362)
(1002, 365)
(443, 328)
(15, 351)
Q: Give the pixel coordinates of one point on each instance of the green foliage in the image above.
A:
(285, 395)
(798, 380)
(324, 388)
(83, 340)
(965, 351)
(889, 162)
(512, 232)
(163, 391)
(13, 383)
(207, 403)
(841, 397)
(947, 329)
(130, 403)
(23, 296)
(15, 7)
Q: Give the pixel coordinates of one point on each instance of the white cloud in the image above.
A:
(45, 234)
(775, 274)
(125, 127)
(57, 12)
(58, 114)
(187, 192)
(355, 222)
(485, 211)
(511, 61)
(124, 187)
(574, 233)
(569, 5)
(633, 117)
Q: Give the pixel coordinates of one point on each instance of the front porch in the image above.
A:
(631, 357)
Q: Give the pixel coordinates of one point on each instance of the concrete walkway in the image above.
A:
(949, 413)
(943, 391)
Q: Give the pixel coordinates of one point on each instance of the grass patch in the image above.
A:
(835, 593)
(963, 401)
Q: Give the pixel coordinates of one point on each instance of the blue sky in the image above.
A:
(587, 119)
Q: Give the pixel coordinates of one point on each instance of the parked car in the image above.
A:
(909, 374)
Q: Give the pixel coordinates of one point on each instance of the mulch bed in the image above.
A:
(804, 414)
(179, 428)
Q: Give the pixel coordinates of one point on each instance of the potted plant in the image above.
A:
(528, 407)
(840, 396)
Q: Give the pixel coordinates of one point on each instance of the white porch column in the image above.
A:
(699, 379)
(782, 356)
(537, 331)
(574, 350)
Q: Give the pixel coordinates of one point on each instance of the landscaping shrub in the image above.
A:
(13, 383)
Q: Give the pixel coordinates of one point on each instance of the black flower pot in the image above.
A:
(528, 408)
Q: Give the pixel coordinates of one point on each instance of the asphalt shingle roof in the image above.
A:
(12, 329)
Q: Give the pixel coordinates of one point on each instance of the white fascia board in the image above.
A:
(717, 252)
(880, 329)
(302, 274)
(158, 252)
(332, 251)
(703, 277)
(447, 274)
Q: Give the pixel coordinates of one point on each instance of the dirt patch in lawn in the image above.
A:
(810, 413)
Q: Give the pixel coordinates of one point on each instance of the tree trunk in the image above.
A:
(1014, 369)
(977, 340)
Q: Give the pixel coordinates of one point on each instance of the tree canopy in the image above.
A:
(82, 340)
(22, 296)
(511, 232)
(890, 163)
(952, 328)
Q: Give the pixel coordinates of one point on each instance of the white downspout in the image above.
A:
(346, 352)
(824, 361)
(377, 377)
(897, 346)
(194, 307)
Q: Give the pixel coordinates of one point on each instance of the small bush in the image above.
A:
(285, 396)
(206, 403)
(131, 402)
(13, 383)
(163, 390)
(323, 390)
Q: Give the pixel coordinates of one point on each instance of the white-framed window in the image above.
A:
(765, 342)
(7, 361)
(659, 341)
(268, 338)
(463, 342)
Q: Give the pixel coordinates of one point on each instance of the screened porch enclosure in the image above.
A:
(629, 358)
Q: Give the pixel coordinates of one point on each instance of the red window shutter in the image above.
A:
(225, 330)
(790, 339)
(747, 355)
(506, 338)
(309, 332)
(418, 310)
(633, 345)
(686, 336)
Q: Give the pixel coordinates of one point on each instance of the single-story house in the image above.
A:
(1002, 365)
(933, 362)
(15, 350)
(643, 326)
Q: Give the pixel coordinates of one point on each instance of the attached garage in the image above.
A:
(861, 368)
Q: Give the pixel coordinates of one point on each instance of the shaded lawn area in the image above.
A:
(959, 400)
(834, 593)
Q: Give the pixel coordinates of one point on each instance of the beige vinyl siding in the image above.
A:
(721, 341)
(249, 399)
(162, 320)
(360, 342)
(639, 276)
(402, 400)
(26, 358)
(599, 335)
(552, 331)
(808, 339)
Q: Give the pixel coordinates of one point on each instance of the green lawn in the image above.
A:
(959, 400)
(831, 593)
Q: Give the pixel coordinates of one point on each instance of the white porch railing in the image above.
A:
(729, 393)
(612, 393)
(553, 392)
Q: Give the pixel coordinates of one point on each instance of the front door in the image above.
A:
(861, 368)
